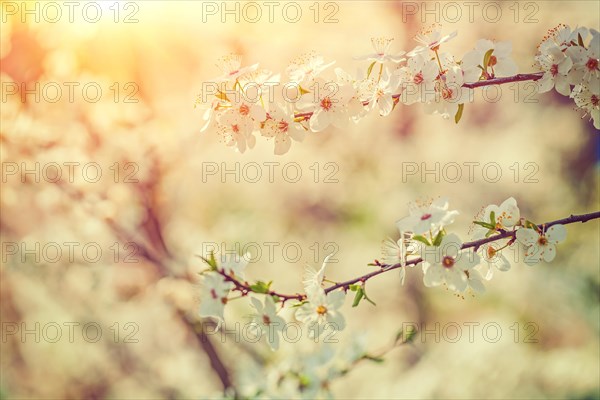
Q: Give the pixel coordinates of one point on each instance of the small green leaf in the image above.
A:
(580, 40)
(422, 239)
(364, 291)
(359, 295)
(354, 288)
(493, 218)
(489, 233)
(371, 68)
(459, 113)
(373, 358)
(485, 224)
(407, 336)
(303, 91)
(438, 238)
(275, 298)
(211, 261)
(300, 303)
(486, 58)
(531, 225)
(261, 287)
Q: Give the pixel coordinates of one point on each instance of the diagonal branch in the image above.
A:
(487, 82)
(244, 287)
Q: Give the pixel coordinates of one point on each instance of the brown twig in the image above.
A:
(244, 287)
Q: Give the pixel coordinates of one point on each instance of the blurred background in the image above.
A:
(125, 299)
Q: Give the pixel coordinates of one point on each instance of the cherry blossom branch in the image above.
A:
(245, 287)
(509, 79)
(488, 82)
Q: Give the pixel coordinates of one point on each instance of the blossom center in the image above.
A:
(493, 61)
(491, 252)
(282, 126)
(326, 104)
(592, 64)
(418, 78)
(447, 93)
(448, 262)
(554, 69)
(235, 128)
(321, 310)
(425, 217)
(266, 320)
(595, 100)
(542, 241)
(244, 109)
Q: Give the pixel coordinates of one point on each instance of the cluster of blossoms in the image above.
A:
(245, 101)
(444, 258)
(572, 67)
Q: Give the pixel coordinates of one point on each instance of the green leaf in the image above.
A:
(580, 40)
(373, 358)
(406, 337)
(303, 91)
(275, 298)
(358, 297)
(438, 238)
(486, 58)
(371, 68)
(489, 233)
(364, 291)
(261, 287)
(493, 218)
(211, 261)
(300, 303)
(485, 224)
(459, 113)
(531, 225)
(354, 288)
(422, 239)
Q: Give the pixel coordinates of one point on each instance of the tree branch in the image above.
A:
(244, 287)
(488, 82)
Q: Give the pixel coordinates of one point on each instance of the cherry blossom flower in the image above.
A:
(234, 264)
(556, 66)
(321, 311)
(500, 62)
(493, 258)
(397, 252)
(586, 62)
(431, 39)
(425, 218)
(313, 279)
(588, 100)
(328, 103)
(231, 66)
(381, 46)
(506, 216)
(417, 79)
(449, 264)
(214, 296)
(382, 94)
(306, 68)
(449, 93)
(563, 37)
(267, 322)
(280, 126)
(239, 122)
(541, 245)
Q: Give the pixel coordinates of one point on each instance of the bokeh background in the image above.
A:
(172, 214)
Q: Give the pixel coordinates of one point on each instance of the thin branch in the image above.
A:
(488, 82)
(244, 287)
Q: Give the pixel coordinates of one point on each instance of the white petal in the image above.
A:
(527, 236)
(556, 233)
(548, 252)
(433, 276)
